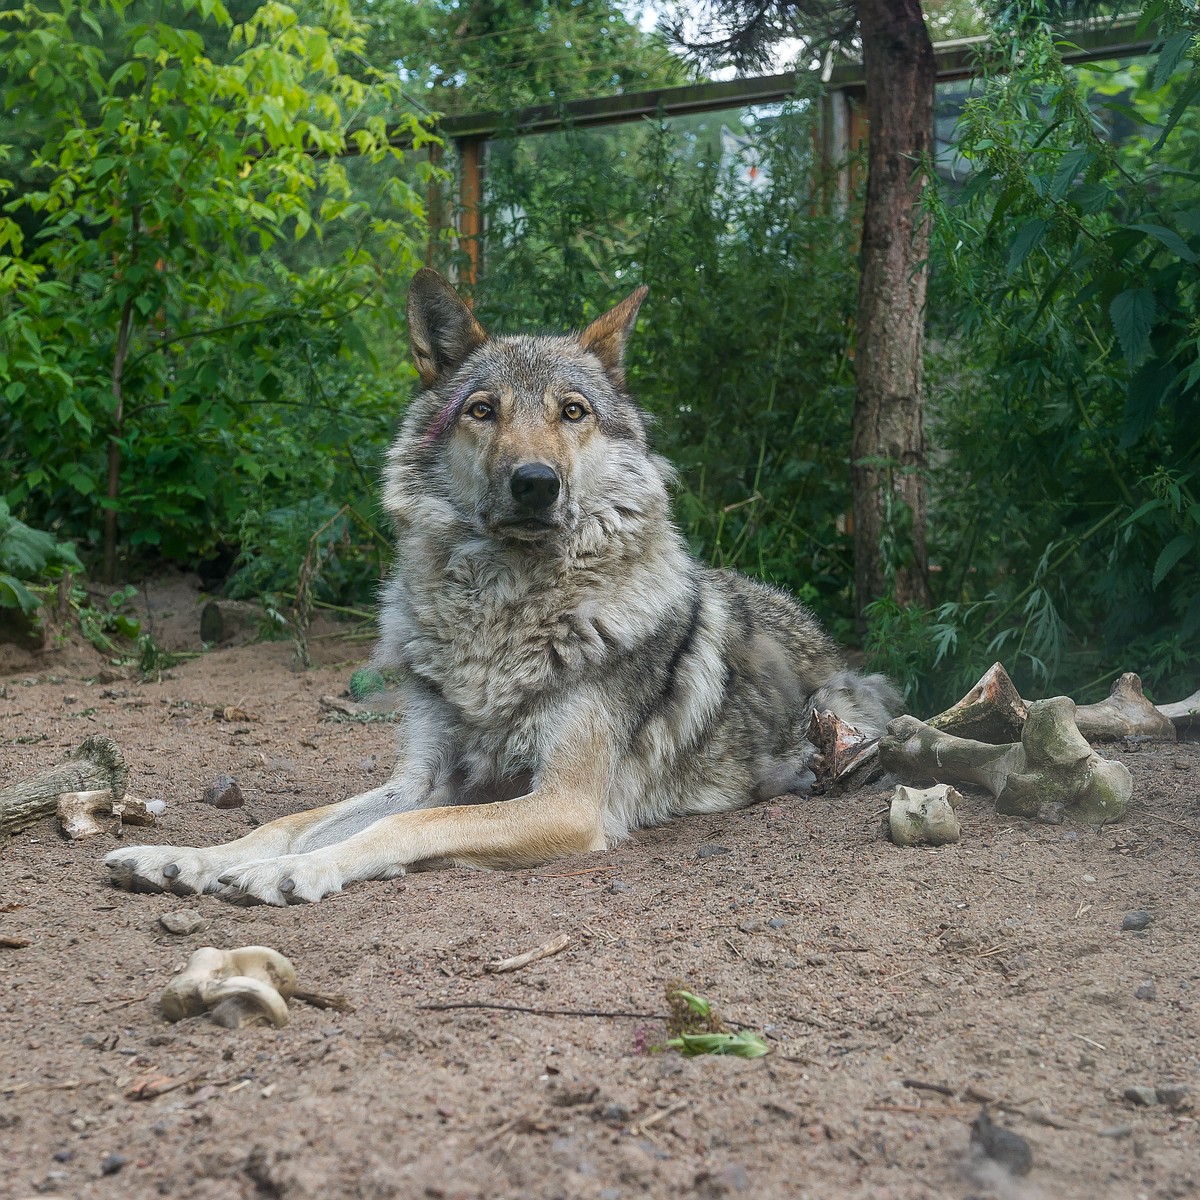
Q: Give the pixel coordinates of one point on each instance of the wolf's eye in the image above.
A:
(574, 411)
(481, 410)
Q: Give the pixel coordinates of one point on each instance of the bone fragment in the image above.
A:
(924, 815)
(77, 811)
(992, 711)
(554, 946)
(1126, 713)
(96, 764)
(837, 743)
(1052, 763)
(249, 986)
(1185, 715)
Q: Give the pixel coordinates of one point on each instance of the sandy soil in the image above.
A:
(995, 968)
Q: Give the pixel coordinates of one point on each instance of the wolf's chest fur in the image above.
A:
(501, 634)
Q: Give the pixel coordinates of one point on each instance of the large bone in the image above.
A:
(1185, 715)
(96, 764)
(1126, 713)
(992, 711)
(1051, 764)
(77, 811)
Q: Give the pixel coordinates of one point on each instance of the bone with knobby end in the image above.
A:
(1125, 713)
(96, 764)
(837, 743)
(250, 985)
(1052, 763)
(77, 812)
(1184, 714)
(992, 710)
(924, 815)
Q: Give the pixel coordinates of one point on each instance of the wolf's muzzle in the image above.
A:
(535, 486)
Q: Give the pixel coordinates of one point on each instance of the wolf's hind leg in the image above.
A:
(186, 871)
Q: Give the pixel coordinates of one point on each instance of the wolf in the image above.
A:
(570, 673)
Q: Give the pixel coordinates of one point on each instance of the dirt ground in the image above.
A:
(996, 968)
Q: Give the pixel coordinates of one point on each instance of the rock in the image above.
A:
(711, 851)
(1051, 814)
(1115, 1131)
(110, 1164)
(1001, 1145)
(1136, 920)
(224, 792)
(110, 675)
(1141, 1096)
(616, 1113)
(754, 925)
(776, 923)
(1173, 1096)
(186, 920)
(212, 623)
(1146, 990)
(617, 886)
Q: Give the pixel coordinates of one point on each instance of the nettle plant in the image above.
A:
(187, 227)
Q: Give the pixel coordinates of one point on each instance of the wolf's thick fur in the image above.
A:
(571, 673)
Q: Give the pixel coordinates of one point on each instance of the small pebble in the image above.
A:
(63, 1156)
(1088, 878)
(1173, 1096)
(617, 886)
(615, 1113)
(1147, 990)
(186, 920)
(1115, 1131)
(1144, 1096)
(776, 923)
(1136, 920)
(110, 1164)
(711, 851)
(224, 792)
(1051, 813)
(1001, 1145)
(754, 925)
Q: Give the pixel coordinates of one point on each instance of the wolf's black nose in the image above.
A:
(535, 486)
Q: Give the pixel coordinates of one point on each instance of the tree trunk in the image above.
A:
(889, 441)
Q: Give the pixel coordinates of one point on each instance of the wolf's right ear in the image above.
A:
(441, 328)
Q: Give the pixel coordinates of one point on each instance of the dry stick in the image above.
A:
(7, 942)
(323, 1000)
(922, 1086)
(639, 1127)
(543, 1012)
(1172, 821)
(585, 871)
(554, 946)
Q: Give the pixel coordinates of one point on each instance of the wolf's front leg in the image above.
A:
(185, 870)
(564, 814)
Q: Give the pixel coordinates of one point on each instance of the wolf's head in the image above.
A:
(529, 439)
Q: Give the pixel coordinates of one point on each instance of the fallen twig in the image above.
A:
(1171, 821)
(585, 871)
(543, 1012)
(921, 1086)
(934, 1111)
(546, 950)
(640, 1127)
(8, 942)
(323, 1000)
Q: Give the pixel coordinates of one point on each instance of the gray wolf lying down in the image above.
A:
(570, 673)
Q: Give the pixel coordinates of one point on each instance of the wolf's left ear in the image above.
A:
(441, 327)
(606, 336)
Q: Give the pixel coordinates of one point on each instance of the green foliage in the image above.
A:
(696, 1028)
(103, 624)
(205, 262)
(28, 556)
(742, 351)
(1067, 398)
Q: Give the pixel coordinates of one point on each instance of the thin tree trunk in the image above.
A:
(124, 329)
(889, 441)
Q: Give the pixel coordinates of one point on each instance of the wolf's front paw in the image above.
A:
(290, 879)
(164, 868)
